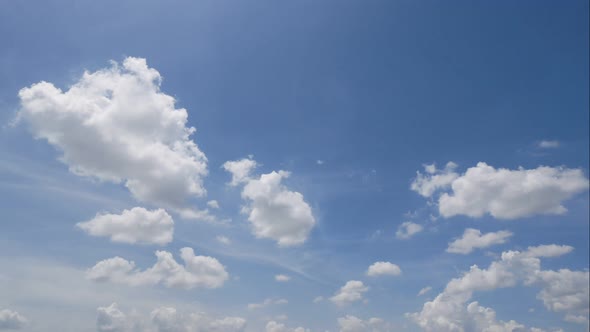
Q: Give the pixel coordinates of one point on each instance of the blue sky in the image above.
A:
(352, 99)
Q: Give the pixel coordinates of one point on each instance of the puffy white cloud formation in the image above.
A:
(11, 320)
(274, 212)
(116, 125)
(408, 229)
(351, 323)
(240, 170)
(563, 291)
(352, 291)
(503, 193)
(111, 319)
(282, 278)
(383, 268)
(164, 319)
(473, 239)
(137, 225)
(434, 179)
(273, 326)
(197, 271)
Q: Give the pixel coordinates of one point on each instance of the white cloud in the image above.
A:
(566, 291)
(408, 229)
(351, 323)
(266, 303)
(198, 271)
(11, 320)
(352, 291)
(273, 326)
(223, 239)
(240, 170)
(137, 225)
(282, 278)
(383, 268)
(424, 290)
(111, 319)
(164, 319)
(450, 310)
(549, 250)
(434, 180)
(116, 125)
(504, 193)
(318, 299)
(473, 239)
(549, 144)
(274, 211)
(213, 204)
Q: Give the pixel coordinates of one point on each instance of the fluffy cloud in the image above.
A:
(198, 271)
(352, 291)
(408, 229)
(164, 319)
(503, 193)
(282, 278)
(11, 320)
(473, 239)
(351, 323)
(116, 125)
(434, 179)
(383, 268)
(563, 290)
(240, 170)
(273, 211)
(137, 225)
(110, 319)
(273, 326)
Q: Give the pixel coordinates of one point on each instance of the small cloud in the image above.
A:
(266, 303)
(213, 204)
(318, 299)
(319, 162)
(548, 144)
(282, 278)
(407, 230)
(223, 239)
(424, 290)
(383, 268)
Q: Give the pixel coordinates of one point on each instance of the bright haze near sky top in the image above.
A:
(292, 166)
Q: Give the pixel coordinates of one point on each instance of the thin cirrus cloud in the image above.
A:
(274, 212)
(383, 269)
(502, 193)
(563, 291)
(116, 125)
(351, 292)
(473, 239)
(137, 225)
(266, 303)
(112, 318)
(11, 320)
(197, 271)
